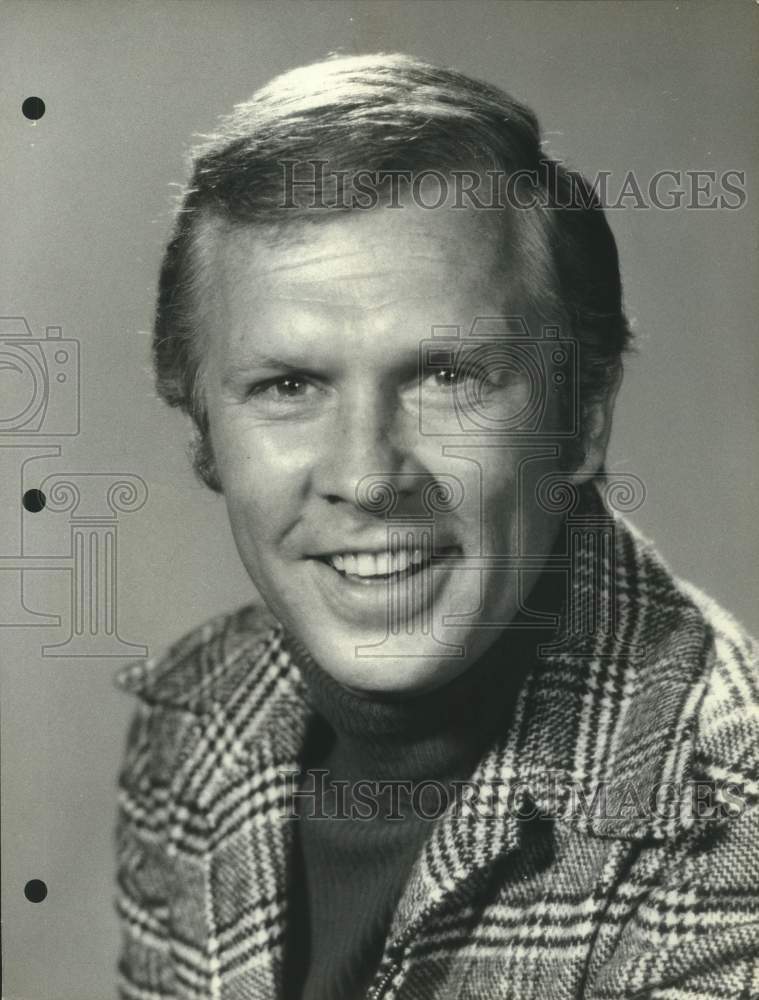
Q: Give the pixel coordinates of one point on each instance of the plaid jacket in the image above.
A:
(557, 899)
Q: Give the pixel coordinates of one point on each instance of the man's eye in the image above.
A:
(287, 387)
(444, 378)
(474, 376)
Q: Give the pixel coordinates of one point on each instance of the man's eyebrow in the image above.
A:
(239, 368)
(250, 362)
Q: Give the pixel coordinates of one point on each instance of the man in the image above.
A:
(479, 743)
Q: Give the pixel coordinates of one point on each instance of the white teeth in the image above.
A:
(349, 564)
(401, 561)
(382, 563)
(367, 564)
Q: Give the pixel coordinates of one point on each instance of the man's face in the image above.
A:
(314, 391)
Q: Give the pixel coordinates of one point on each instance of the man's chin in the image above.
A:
(377, 665)
(370, 641)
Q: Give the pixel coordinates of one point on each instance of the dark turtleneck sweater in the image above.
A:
(349, 871)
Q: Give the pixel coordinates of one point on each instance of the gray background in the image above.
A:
(86, 203)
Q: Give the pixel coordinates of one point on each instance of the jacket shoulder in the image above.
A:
(698, 671)
(675, 611)
(727, 731)
(204, 666)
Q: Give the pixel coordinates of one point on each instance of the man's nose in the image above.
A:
(367, 438)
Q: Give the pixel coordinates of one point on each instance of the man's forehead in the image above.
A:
(362, 255)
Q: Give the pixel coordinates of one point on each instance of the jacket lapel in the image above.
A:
(230, 836)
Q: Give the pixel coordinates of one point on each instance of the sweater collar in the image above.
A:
(435, 735)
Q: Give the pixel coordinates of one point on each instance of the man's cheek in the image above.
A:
(497, 514)
(238, 459)
(255, 508)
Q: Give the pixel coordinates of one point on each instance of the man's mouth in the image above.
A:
(383, 565)
(366, 567)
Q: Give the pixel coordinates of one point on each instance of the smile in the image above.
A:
(400, 581)
(366, 567)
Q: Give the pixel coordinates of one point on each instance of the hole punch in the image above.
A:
(35, 890)
(34, 501)
(33, 108)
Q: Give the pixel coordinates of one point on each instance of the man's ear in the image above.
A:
(203, 459)
(597, 431)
